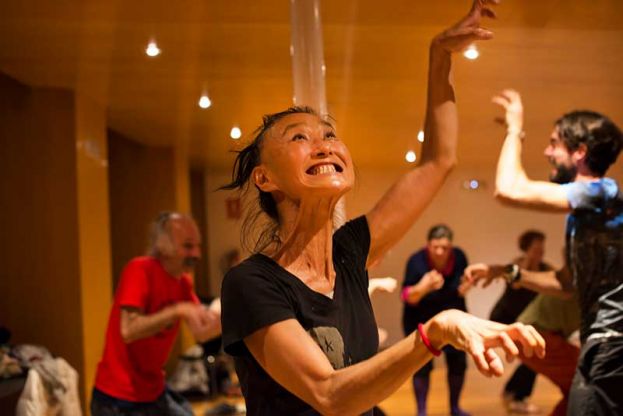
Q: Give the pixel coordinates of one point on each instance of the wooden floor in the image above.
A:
(481, 396)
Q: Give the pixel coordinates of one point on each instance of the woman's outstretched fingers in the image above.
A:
(509, 346)
(539, 349)
(494, 361)
(479, 359)
(526, 338)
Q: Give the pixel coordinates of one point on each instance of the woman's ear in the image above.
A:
(262, 179)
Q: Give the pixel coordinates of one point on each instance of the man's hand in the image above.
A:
(203, 323)
(510, 100)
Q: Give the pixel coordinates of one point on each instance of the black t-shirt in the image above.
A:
(259, 292)
(513, 301)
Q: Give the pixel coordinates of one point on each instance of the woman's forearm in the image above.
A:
(357, 388)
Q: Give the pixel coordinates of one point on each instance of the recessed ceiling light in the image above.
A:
(204, 101)
(473, 184)
(471, 52)
(410, 156)
(420, 136)
(152, 49)
(235, 133)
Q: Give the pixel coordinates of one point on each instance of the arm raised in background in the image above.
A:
(405, 201)
(512, 185)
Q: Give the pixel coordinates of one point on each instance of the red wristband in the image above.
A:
(426, 341)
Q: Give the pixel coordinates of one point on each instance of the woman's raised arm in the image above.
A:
(398, 209)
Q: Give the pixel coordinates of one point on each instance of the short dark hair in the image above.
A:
(440, 231)
(528, 237)
(246, 160)
(601, 136)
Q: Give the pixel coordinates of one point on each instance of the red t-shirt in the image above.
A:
(134, 371)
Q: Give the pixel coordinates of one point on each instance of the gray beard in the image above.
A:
(191, 262)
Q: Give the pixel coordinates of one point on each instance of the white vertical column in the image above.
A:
(308, 68)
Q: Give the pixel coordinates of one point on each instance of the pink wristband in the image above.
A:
(426, 341)
(404, 295)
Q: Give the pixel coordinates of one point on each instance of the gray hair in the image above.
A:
(160, 232)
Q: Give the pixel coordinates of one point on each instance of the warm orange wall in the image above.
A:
(39, 277)
(223, 233)
(93, 232)
(141, 185)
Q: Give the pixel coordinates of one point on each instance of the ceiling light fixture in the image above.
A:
(204, 101)
(410, 156)
(420, 136)
(235, 133)
(152, 49)
(471, 52)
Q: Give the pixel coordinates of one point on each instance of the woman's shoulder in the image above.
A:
(257, 266)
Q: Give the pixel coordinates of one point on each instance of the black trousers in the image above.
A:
(521, 383)
(597, 387)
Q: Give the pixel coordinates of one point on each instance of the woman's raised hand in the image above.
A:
(478, 338)
(468, 29)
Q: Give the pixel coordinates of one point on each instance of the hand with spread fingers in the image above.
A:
(478, 338)
(510, 100)
(485, 273)
(468, 29)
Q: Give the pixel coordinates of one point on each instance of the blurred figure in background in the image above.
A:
(433, 284)
(153, 294)
(510, 305)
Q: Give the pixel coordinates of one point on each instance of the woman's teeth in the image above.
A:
(323, 169)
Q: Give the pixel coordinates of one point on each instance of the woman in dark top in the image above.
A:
(296, 315)
(506, 310)
(433, 283)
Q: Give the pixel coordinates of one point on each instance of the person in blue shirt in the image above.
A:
(433, 284)
(582, 146)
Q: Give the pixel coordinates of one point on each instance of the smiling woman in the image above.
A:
(296, 314)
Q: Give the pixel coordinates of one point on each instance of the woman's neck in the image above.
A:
(306, 248)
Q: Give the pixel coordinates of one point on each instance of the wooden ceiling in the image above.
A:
(561, 54)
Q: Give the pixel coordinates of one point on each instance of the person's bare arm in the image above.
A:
(555, 283)
(203, 324)
(405, 201)
(512, 185)
(136, 325)
(294, 360)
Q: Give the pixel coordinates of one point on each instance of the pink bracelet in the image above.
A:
(404, 295)
(426, 341)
